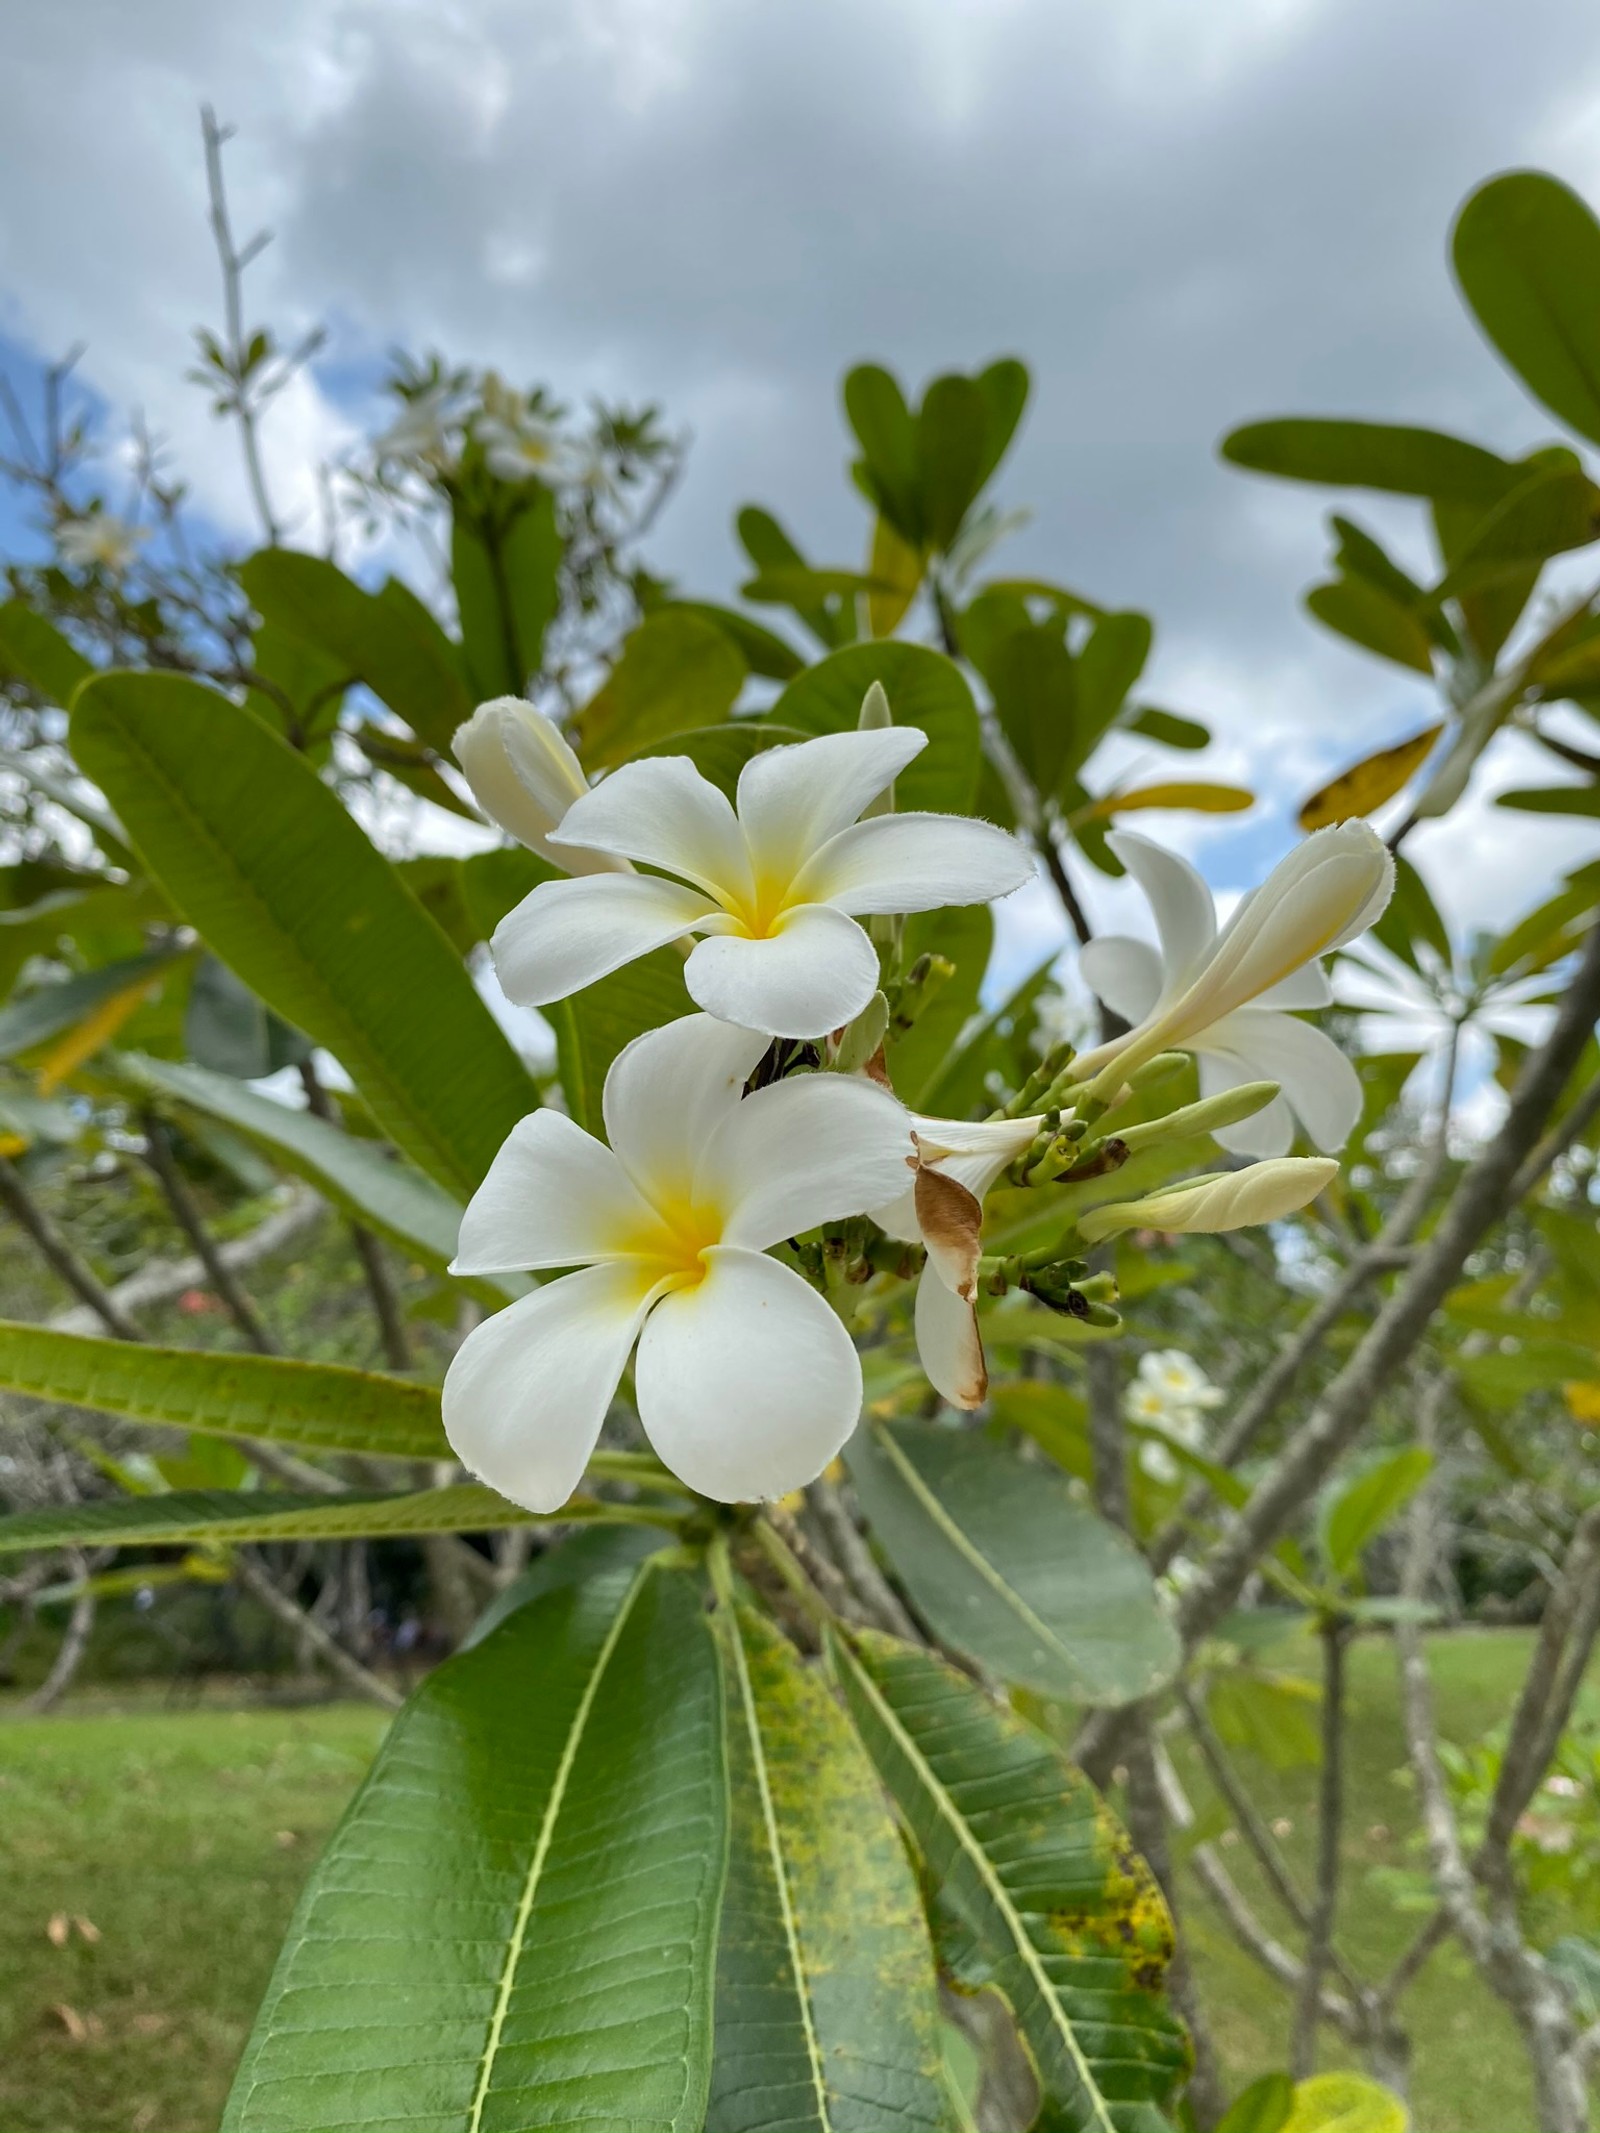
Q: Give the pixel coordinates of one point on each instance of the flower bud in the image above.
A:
(525, 776)
(1207, 1116)
(1233, 1199)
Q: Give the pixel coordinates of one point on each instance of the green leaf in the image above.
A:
(515, 1923)
(770, 549)
(919, 1056)
(1263, 2107)
(677, 672)
(1374, 619)
(1552, 799)
(1168, 728)
(505, 572)
(227, 1029)
(1004, 386)
(591, 1552)
(1412, 918)
(924, 689)
(1345, 2103)
(1553, 509)
(1057, 1909)
(1035, 684)
(359, 1175)
(319, 1406)
(1009, 1568)
(876, 410)
(1387, 456)
(1366, 1504)
(387, 639)
(594, 1025)
(264, 861)
(826, 2012)
(1527, 256)
(49, 1010)
(719, 753)
(1107, 668)
(37, 653)
(762, 650)
(238, 1515)
(952, 448)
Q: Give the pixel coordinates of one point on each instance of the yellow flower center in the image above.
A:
(757, 915)
(672, 1247)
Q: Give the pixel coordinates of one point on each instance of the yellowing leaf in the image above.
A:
(13, 1143)
(1583, 1400)
(1367, 784)
(85, 1038)
(897, 567)
(1200, 798)
(1345, 2103)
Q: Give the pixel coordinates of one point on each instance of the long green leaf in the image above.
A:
(677, 672)
(1386, 456)
(37, 653)
(514, 1925)
(1049, 1901)
(1527, 256)
(924, 689)
(359, 1175)
(285, 886)
(1009, 1568)
(49, 1010)
(259, 1515)
(320, 1406)
(386, 639)
(827, 2020)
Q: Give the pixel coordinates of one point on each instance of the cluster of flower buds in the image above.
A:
(759, 1177)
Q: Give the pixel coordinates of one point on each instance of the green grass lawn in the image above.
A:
(183, 1837)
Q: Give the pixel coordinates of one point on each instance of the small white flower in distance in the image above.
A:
(526, 450)
(746, 1382)
(956, 1164)
(777, 885)
(1175, 1377)
(420, 435)
(1231, 1199)
(1229, 997)
(525, 776)
(99, 542)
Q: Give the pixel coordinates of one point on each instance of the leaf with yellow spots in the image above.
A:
(1046, 1898)
(1367, 784)
(827, 2010)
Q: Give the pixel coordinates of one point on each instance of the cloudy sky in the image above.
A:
(1182, 215)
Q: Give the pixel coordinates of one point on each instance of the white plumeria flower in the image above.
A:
(420, 433)
(1229, 997)
(1230, 1199)
(1170, 1375)
(1178, 1425)
(99, 542)
(747, 1384)
(526, 450)
(955, 1165)
(776, 885)
(525, 776)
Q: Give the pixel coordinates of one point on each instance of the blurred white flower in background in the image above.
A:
(102, 541)
(422, 433)
(1169, 1392)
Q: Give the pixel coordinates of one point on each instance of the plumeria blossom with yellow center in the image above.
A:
(1231, 997)
(101, 541)
(954, 1166)
(775, 884)
(1169, 1392)
(423, 434)
(524, 776)
(746, 1382)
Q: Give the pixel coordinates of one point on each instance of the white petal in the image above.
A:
(667, 1092)
(1318, 1082)
(527, 1391)
(898, 1217)
(1185, 916)
(661, 810)
(805, 1151)
(1126, 974)
(1306, 987)
(914, 863)
(748, 1385)
(1323, 894)
(949, 1343)
(812, 973)
(554, 1196)
(1269, 1131)
(568, 933)
(973, 1152)
(792, 800)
